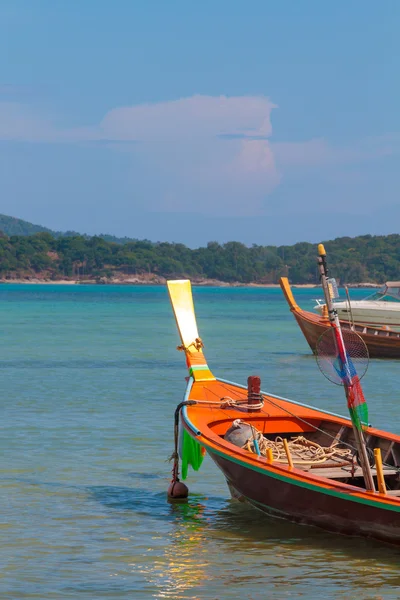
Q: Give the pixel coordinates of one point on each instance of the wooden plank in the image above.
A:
(338, 436)
(388, 452)
(393, 492)
(338, 473)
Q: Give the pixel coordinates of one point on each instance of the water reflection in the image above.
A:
(183, 565)
(193, 538)
(267, 552)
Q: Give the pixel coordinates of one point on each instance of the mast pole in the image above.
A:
(341, 350)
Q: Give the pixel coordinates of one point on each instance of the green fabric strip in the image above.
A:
(359, 415)
(191, 454)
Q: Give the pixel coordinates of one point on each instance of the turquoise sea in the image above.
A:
(89, 380)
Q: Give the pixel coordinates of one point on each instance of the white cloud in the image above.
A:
(211, 154)
(188, 118)
(198, 154)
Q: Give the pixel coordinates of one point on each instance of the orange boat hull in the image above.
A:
(279, 490)
(329, 492)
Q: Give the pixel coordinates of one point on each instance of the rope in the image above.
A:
(197, 343)
(352, 449)
(175, 455)
(227, 402)
(344, 456)
(302, 450)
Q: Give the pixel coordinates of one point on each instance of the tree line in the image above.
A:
(352, 260)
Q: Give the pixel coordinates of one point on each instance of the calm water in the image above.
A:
(89, 378)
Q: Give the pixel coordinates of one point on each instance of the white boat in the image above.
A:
(382, 308)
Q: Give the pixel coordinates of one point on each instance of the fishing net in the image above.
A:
(329, 361)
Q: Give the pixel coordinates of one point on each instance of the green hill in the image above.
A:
(28, 250)
(365, 258)
(13, 226)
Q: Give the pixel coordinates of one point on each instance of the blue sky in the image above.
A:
(261, 121)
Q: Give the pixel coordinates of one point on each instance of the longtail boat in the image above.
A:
(382, 342)
(286, 458)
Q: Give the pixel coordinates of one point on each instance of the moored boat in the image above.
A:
(380, 308)
(285, 458)
(382, 342)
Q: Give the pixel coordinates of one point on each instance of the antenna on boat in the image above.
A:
(337, 362)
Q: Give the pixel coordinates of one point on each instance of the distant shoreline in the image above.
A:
(158, 281)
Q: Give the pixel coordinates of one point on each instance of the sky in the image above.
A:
(257, 121)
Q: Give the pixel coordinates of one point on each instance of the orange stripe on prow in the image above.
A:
(180, 294)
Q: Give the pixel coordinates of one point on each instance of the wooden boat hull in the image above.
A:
(280, 498)
(291, 493)
(328, 493)
(381, 343)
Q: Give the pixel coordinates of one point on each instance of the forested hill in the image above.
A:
(351, 260)
(13, 226)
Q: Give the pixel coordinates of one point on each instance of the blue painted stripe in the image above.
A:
(184, 408)
(188, 389)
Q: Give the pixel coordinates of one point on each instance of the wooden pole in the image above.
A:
(288, 454)
(335, 323)
(379, 471)
(270, 457)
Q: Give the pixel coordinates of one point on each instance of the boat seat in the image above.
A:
(338, 473)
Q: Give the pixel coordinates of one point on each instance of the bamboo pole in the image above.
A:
(379, 471)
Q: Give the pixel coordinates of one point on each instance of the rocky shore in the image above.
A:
(152, 279)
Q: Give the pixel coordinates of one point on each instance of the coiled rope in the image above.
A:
(303, 451)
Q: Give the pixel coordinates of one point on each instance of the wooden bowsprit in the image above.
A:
(332, 351)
